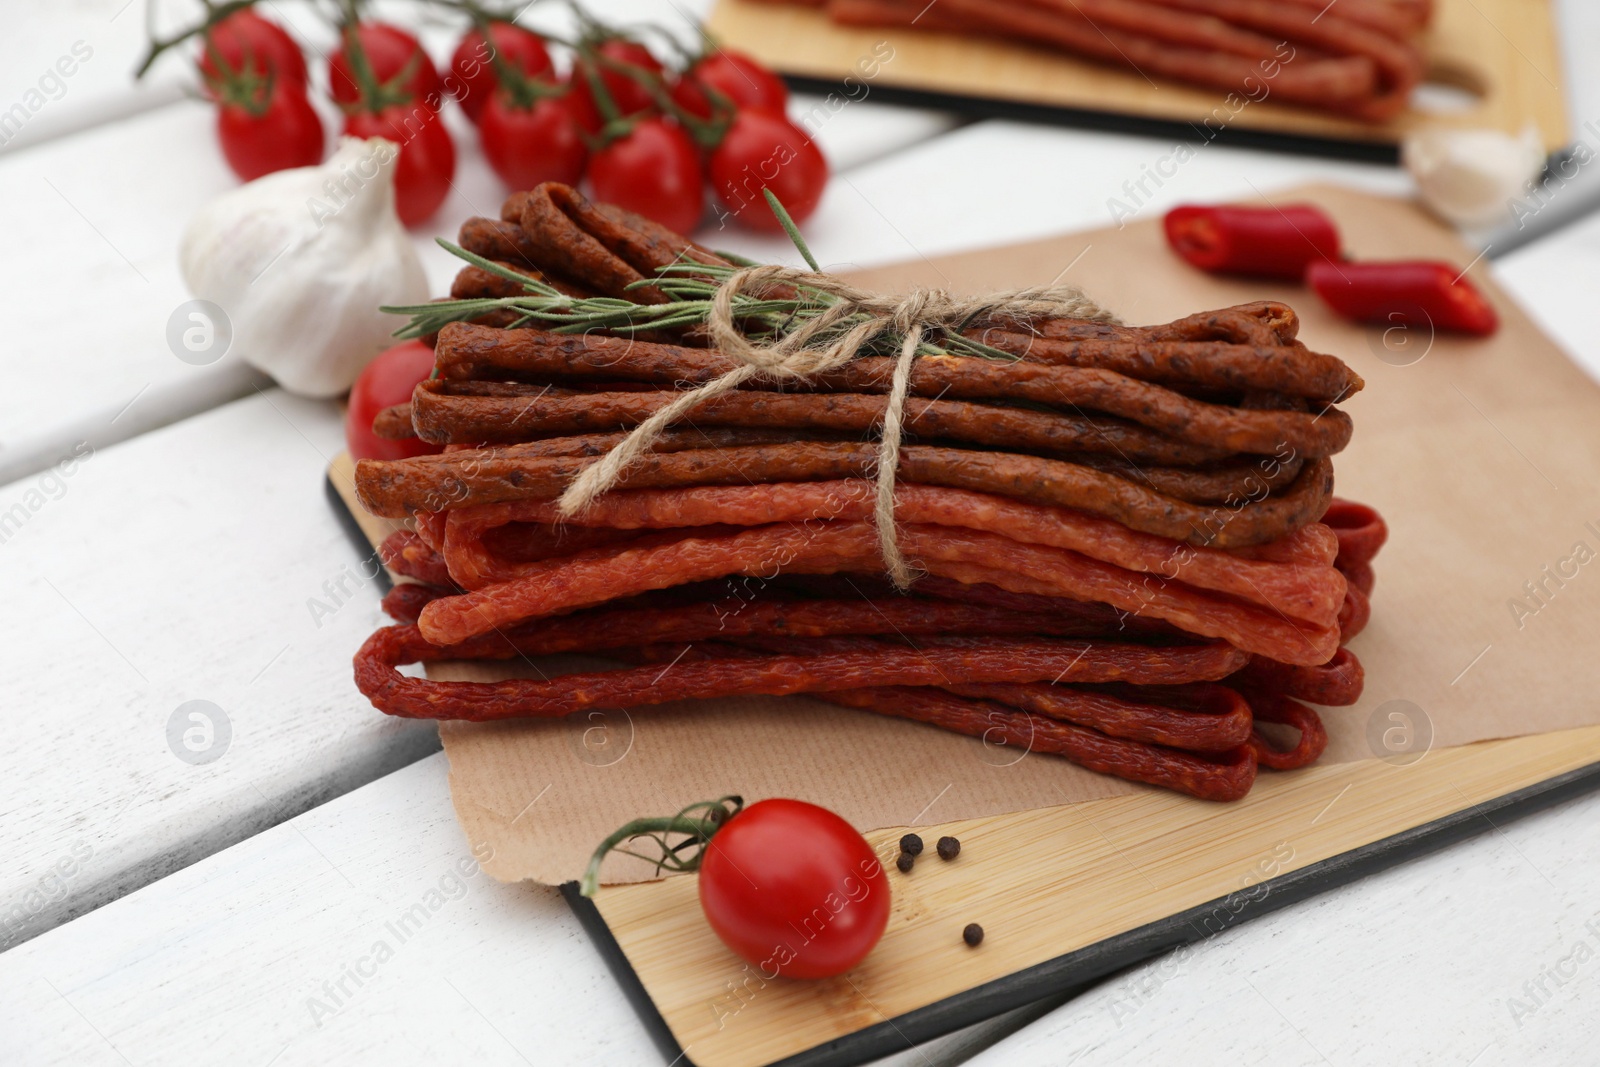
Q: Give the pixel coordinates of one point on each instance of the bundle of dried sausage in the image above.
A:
(1359, 58)
(1126, 548)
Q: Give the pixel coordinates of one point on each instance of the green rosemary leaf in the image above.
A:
(790, 228)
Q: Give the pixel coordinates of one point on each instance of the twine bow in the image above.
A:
(817, 345)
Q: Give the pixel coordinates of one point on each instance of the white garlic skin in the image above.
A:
(300, 261)
(1469, 177)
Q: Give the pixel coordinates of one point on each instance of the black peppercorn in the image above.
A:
(905, 862)
(972, 935)
(911, 844)
(949, 848)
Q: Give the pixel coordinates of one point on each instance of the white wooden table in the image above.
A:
(158, 910)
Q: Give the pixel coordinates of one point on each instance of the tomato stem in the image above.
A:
(215, 13)
(695, 824)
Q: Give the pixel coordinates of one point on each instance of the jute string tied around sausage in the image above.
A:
(851, 322)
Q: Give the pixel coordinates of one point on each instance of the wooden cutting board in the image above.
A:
(1499, 57)
(1466, 446)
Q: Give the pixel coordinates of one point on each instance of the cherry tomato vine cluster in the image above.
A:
(649, 134)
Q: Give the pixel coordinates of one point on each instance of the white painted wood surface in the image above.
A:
(1485, 954)
(222, 536)
(267, 953)
(184, 565)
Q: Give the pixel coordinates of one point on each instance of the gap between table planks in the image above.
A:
(1503, 52)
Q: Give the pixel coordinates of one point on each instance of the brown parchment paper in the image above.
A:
(1483, 456)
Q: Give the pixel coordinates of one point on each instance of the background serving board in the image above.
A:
(1069, 893)
(1502, 52)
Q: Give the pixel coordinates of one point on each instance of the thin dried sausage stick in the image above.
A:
(1355, 614)
(1004, 722)
(406, 553)
(594, 577)
(465, 350)
(1292, 369)
(395, 488)
(501, 241)
(1358, 576)
(404, 603)
(1337, 683)
(1313, 735)
(1213, 484)
(605, 252)
(1333, 83)
(442, 418)
(1261, 322)
(981, 660)
(1297, 641)
(1222, 726)
(998, 724)
(793, 626)
(1399, 64)
(440, 415)
(643, 243)
(1360, 529)
(1308, 591)
(394, 423)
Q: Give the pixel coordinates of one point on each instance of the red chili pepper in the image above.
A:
(1421, 293)
(1267, 242)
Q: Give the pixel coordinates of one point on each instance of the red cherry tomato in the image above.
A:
(427, 155)
(388, 380)
(473, 77)
(390, 51)
(527, 146)
(250, 44)
(766, 151)
(745, 82)
(794, 890)
(263, 135)
(630, 97)
(653, 170)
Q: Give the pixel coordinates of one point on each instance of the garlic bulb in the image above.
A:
(1470, 177)
(301, 259)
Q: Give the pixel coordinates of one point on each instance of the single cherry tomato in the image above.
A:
(1424, 294)
(653, 170)
(249, 44)
(626, 92)
(273, 128)
(760, 151)
(746, 83)
(530, 145)
(474, 79)
(427, 160)
(794, 890)
(391, 51)
(388, 380)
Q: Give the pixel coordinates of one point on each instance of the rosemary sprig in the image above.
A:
(689, 286)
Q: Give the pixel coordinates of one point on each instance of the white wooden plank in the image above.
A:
(199, 562)
(1481, 954)
(239, 958)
